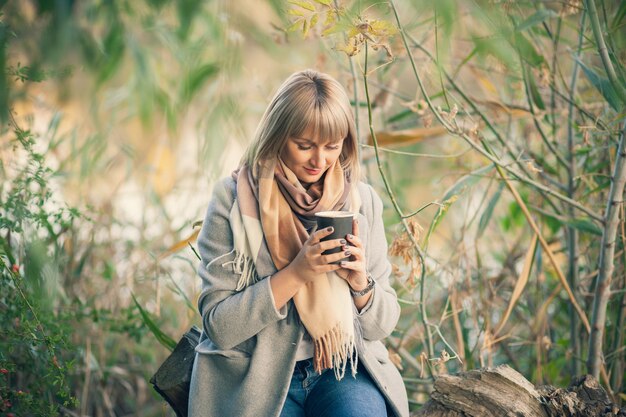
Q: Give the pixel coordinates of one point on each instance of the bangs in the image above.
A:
(324, 121)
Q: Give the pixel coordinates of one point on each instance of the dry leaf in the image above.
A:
(408, 136)
(530, 164)
(179, 245)
(396, 360)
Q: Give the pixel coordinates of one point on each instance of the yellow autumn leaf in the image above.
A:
(331, 18)
(295, 25)
(353, 32)
(314, 20)
(162, 169)
(295, 12)
(179, 245)
(324, 2)
(305, 28)
(405, 137)
(382, 28)
(304, 4)
(522, 280)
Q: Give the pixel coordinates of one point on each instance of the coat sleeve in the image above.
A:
(380, 316)
(229, 317)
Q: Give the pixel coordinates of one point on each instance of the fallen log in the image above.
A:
(502, 391)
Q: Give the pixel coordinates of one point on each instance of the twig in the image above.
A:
(531, 106)
(423, 155)
(432, 203)
(418, 250)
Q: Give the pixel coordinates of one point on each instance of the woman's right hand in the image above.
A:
(310, 263)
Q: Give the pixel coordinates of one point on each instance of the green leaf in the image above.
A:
(534, 91)
(539, 17)
(553, 223)
(163, 339)
(496, 47)
(527, 50)
(453, 194)
(619, 15)
(187, 10)
(109, 271)
(515, 216)
(486, 216)
(585, 224)
(603, 85)
(196, 79)
(114, 45)
(399, 116)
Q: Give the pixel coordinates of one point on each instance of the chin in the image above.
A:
(307, 178)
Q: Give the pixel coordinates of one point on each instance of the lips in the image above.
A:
(311, 171)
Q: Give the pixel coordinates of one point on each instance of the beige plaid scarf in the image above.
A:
(273, 212)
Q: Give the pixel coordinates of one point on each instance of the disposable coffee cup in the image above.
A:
(340, 221)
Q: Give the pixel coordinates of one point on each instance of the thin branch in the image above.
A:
(423, 155)
(544, 138)
(432, 203)
(418, 250)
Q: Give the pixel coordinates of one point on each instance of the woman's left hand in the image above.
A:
(353, 270)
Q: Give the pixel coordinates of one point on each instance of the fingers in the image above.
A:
(330, 244)
(354, 240)
(351, 265)
(320, 234)
(335, 257)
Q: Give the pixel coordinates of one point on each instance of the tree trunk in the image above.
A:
(607, 252)
(502, 391)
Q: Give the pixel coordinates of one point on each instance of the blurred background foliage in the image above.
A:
(492, 129)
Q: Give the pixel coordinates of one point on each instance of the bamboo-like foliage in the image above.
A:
(493, 130)
(505, 85)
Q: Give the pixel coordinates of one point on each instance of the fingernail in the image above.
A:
(342, 263)
(344, 247)
(343, 241)
(350, 236)
(330, 229)
(348, 253)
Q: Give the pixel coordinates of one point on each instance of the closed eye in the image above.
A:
(304, 148)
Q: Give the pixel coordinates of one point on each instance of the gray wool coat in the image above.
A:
(246, 355)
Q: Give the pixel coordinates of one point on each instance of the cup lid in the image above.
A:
(335, 213)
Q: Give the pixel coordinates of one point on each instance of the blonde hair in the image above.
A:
(307, 100)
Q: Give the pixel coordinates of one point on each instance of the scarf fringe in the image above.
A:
(244, 266)
(333, 351)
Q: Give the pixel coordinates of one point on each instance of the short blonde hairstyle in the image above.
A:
(307, 100)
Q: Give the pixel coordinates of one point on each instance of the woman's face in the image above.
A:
(309, 157)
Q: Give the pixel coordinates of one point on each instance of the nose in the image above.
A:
(318, 158)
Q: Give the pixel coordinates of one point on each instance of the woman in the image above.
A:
(282, 322)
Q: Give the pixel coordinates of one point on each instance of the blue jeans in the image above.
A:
(313, 395)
